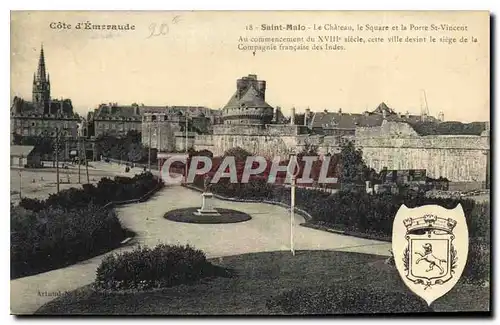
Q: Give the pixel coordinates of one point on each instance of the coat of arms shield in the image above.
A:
(430, 246)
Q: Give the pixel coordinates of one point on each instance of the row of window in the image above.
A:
(40, 132)
(42, 123)
(154, 118)
(115, 126)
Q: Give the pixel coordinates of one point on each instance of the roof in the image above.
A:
(59, 107)
(115, 111)
(18, 151)
(251, 98)
(327, 120)
(135, 110)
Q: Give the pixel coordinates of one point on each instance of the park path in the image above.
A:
(268, 230)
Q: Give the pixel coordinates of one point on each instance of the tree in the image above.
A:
(352, 163)
(238, 153)
(308, 150)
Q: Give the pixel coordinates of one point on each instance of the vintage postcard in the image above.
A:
(250, 163)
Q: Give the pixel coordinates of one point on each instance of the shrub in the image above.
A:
(31, 204)
(54, 237)
(146, 268)
(345, 299)
(107, 190)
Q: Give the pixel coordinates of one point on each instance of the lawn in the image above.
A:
(259, 277)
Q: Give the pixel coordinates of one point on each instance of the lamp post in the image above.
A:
(293, 171)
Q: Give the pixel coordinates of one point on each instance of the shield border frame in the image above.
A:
(451, 260)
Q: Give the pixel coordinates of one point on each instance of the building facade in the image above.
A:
(118, 120)
(43, 116)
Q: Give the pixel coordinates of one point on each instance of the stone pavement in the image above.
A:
(268, 230)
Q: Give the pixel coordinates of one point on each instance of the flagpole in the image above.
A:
(292, 214)
(292, 167)
(186, 148)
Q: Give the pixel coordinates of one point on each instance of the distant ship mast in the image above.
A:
(424, 111)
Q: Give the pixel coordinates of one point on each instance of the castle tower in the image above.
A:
(248, 104)
(41, 87)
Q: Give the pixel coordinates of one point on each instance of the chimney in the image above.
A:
(340, 111)
(407, 114)
(441, 116)
(277, 114)
(261, 85)
(292, 118)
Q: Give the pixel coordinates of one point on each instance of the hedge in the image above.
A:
(145, 268)
(72, 225)
(107, 190)
(54, 237)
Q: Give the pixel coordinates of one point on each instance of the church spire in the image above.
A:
(41, 73)
(41, 86)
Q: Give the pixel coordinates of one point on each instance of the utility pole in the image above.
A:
(79, 160)
(149, 146)
(57, 159)
(86, 162)
(20, 182)
(158, 144)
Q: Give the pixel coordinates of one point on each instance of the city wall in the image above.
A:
(266, 140)
(460, 158)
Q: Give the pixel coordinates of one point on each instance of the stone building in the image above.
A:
(43, 116)
(165, 132)
(387, 138)
(118, 120)
(342, 123)
(114, 119)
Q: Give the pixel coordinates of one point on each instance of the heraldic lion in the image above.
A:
(430, 258)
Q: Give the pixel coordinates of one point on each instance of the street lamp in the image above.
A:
(293, 171)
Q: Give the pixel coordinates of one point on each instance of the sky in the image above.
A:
(195, 61)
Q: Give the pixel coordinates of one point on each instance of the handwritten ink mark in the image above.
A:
(163, 29)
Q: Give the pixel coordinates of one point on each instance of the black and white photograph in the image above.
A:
(242, 163)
